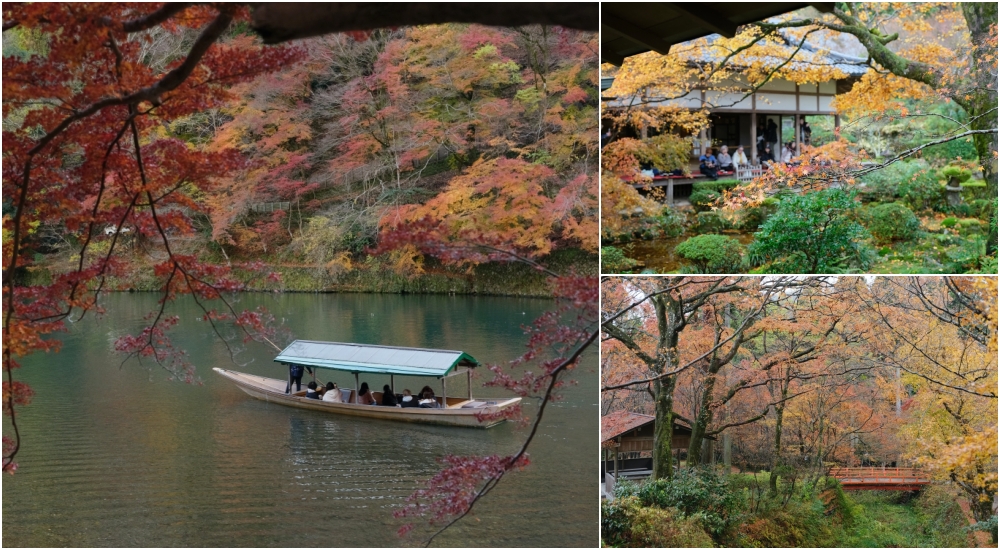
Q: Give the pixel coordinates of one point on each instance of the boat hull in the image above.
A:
(272, 390)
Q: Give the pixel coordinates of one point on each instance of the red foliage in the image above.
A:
(81, 158)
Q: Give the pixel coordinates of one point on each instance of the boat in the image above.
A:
(366, 359)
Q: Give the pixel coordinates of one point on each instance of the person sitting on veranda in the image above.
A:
(767, 157)
(332, 394)
(408, 400)
(365, 396)
(787, 152)
(388, 398)
(709, 165)
(725, 161)
(312, 392)
(740, 158)
(427, 400)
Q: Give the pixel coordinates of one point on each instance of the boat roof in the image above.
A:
(374, 359)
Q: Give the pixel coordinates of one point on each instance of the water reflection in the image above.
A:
(120, 457)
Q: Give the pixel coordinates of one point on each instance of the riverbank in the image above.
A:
(736, 511)
(371, 275)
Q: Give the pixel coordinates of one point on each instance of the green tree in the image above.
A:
(813, 233)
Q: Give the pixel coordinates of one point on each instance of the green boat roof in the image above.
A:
(374, 359)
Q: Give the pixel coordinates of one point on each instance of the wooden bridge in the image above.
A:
(880, 479)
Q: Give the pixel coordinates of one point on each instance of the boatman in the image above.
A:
(295, 375)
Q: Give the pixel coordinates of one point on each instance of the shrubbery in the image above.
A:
(892, 222)
(625, 522)
(813, 233)
(704, 199)
(613, 260)
(712, 253)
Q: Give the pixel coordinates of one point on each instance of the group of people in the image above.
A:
(331, 393)
(710, 165)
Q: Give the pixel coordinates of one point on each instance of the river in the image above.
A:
(117, 455)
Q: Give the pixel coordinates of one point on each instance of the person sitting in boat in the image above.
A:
(427, 400)
(332, 394)
(388, 398)
(408, 400)
(365, 396)
(312, 392)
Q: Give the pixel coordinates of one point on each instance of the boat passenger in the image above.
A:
(427, 400)
(332, 394)
(408, 400)
(365, 396)
(312, 393)
(388, 398)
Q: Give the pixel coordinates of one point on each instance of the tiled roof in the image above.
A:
(619, 422)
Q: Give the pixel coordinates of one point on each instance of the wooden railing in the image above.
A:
(886, 479)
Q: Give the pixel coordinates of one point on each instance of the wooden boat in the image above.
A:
(358, 358)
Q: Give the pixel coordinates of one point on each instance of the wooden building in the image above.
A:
(627, 438)
(736, 114)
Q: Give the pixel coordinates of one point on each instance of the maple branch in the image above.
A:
(554, 375)
(278, 22)
(912, 151)
(154, 18)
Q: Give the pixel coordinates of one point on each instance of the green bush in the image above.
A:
(892, 222)
(613, 260)
(670, 222)
(923, 193)
(710, 222)
(949, 222)
(698, 493)
(951, 150)
(884, 185)
(813, 233)
(626, 523)
(712, 253)
(981, 208)
(718, 186)
(970, 226)
(704, 199)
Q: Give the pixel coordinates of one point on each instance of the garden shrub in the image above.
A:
(667, 528)
(949, 222)
(613, 260)
(625, 522)
(885, 185)
(699, 493)
(704, 199)
(813, 233)
(969, 226)
(712, 253)
(981, 208)
(671, 222)
(892, 222)
(718, 186)
(710, 222)
(923, 194)
(951, 150)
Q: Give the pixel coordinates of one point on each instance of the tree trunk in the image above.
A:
(979, 17)
(773, 478)
(663, 465)
(701, 423)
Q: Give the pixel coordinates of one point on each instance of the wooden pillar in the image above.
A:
(798, 148)
(836, 121)
(468, 377)
(444, 392)
(357, 387)
(753, 132)
(618, 446)
(702, 137)
(670, 192)
(392, 384)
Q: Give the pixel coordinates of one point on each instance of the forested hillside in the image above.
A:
(358, 133)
